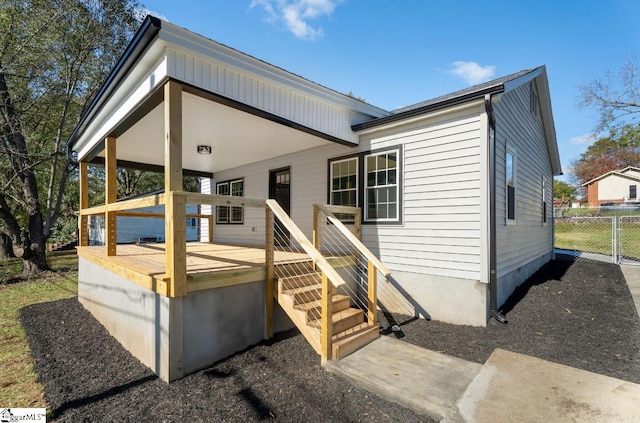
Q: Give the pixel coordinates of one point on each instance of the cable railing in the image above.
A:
(317, 281)
(360, 267)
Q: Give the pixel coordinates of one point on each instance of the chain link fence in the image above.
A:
(586, 237)
(614, 238)
(629, 240)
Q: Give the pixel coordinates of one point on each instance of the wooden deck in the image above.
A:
(208, 265)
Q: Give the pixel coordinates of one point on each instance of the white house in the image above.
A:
(147, 226)
(616, 186)
(455, 192)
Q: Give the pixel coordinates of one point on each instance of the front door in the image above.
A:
(280, 190)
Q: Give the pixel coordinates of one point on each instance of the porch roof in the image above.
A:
(245, 109)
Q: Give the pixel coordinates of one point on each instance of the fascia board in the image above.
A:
(133, 89)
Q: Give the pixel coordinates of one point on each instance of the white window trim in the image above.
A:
(514, 169)
(636, 196)
(397, 186)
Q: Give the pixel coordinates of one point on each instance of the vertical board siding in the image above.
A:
(527, 239)
(264, 94)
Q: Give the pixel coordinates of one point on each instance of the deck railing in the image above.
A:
(337, 231)
(281, 235)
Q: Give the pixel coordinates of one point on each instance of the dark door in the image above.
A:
(280, 190)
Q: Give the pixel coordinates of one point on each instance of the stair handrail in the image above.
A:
(320, 261)
(362, 249)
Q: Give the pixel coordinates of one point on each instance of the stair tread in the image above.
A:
(301, 289)
(346, 335)
(337, 316)
(315, 275)
(317, 303)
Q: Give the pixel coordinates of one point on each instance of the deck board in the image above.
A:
(208, 265)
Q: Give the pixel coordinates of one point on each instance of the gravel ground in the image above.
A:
(579, 314)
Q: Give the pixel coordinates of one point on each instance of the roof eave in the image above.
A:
(147, 32)
(427, 109)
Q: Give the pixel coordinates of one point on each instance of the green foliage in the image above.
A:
(617, 151)
(54, 56)
(564, 190)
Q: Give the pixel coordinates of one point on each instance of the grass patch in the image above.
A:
(18, 386)
(595, 236)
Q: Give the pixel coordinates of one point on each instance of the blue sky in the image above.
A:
(394, 53)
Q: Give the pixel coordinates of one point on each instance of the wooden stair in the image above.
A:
(300, 297)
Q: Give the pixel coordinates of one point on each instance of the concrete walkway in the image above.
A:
(509, 387)
(632, 276)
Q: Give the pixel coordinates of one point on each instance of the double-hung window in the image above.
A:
(381, 186)
(226, 214)
(343, 189)
(370, 180)
(633, 192)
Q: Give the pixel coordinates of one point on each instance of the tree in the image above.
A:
(54, 54)
(617, 151)
(564, 190)
(616, 96)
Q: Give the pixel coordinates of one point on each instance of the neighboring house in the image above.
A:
(131, 230)
(456, 192)
(617, 186)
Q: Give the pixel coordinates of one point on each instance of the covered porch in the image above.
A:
(181, 105)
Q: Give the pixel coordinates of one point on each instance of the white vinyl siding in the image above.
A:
(309, 176)
(518, 245)
(441, 197)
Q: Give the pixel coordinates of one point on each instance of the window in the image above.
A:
(381, 187)
(370, 180)
(225, 214)
(192, 222)
(544, 200)
(344, 182)
(343, 189)
(633, 192)
(533, 99)
(510, 178)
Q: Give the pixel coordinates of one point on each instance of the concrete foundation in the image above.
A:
(451, 300)
(509, 282)
(176, 336)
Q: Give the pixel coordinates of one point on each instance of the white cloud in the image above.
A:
(146, 12)
(472, 72)
(296, 14)
(584, 139)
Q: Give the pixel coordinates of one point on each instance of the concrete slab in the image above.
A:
(517, 388)
(424, 381)
(632, 276)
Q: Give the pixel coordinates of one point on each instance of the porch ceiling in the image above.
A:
(236, 137)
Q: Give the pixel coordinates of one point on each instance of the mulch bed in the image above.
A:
(89, 376)
(579, 314)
